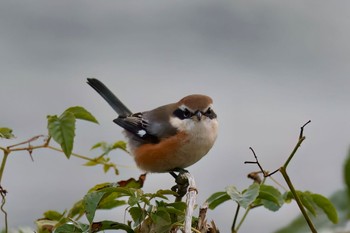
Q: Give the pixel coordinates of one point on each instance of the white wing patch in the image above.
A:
(141, 133)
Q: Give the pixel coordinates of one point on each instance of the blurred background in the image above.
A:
(270, 66)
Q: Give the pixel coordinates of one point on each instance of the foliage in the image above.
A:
(145, 209)
(154, 212)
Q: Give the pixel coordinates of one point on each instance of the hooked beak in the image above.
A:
(198, 114)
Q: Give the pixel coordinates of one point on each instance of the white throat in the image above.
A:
(201, 137)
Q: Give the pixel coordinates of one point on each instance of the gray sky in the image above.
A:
(269, 65)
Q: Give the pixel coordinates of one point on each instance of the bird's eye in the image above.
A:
(186, 113)
(182, 113)
(210, 113)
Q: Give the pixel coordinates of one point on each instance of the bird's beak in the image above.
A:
(198, 114)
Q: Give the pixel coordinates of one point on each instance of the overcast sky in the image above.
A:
(269, 66)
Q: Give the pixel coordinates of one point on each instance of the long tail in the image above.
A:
(111, 99)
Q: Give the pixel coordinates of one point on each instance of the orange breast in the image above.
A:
(160, 157)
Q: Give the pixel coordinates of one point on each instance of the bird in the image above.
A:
(168, 138)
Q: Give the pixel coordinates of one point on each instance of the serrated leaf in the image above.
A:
(327, 207)
(91, 201)
(82, 114)
(62, 130)
(217, 199)
(161, 217)
(6, 133)
(137, 214)
(245, 198)
(133, 200)
(270, 197)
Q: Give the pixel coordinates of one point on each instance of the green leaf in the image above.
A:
(133, 200)
(72, 228)
(161, 218)
(6, 133)
(77, 210)
(347, 172)
(270, 197)
(245, 198)
(306, 200)
(82, 114)
(137, 214)
(53, 215)
(99, 144)
(327, 207)
(176, 208)
(217, 199)
(91, 201)
(340, 200)
(161, 194)
(110, 201)
(119, 145)
(110, 225)
(62, 130)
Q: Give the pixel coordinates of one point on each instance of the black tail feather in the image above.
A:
(111, 99)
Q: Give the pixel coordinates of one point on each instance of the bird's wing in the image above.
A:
(138, 126)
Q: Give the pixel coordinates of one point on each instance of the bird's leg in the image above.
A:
(179, 170)
(181, 183)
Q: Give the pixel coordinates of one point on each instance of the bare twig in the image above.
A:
(190, 201)
(27, 142)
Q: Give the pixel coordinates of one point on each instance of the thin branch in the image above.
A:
(297, 199)
(235, 219)
(301, 139)
(302, 129)
(265, 173)
(286, 177)
(26, 142)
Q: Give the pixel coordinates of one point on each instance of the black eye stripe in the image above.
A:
(210, 113)
(183, 114)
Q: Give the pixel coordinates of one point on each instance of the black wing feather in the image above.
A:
(136, 125)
